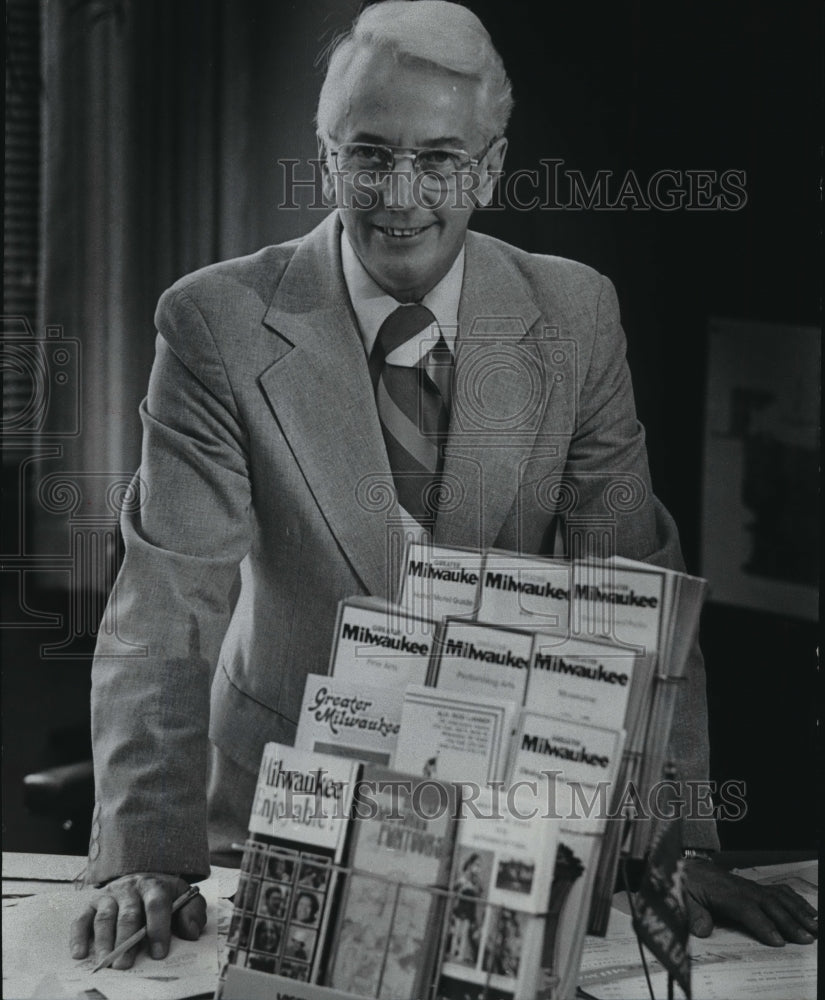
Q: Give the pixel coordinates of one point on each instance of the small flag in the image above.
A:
(659, 911)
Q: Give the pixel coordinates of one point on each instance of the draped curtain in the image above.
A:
(165, 127)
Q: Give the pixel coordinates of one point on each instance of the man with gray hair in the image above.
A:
(390, 352)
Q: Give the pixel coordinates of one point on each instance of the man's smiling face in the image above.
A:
(406, 245)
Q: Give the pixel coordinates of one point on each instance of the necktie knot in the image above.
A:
(402, 325)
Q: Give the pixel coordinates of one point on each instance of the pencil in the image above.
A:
(138, 936)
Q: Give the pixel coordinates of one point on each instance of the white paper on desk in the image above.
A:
(42, 867)
(24, 874)
(222, 882)
(36, 945)
(725, 966)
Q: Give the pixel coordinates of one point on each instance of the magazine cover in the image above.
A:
(447, 735)
(388, 927)
(439, 581)
(502, 873)
(377, 643)
(577, 764)
(526, 591)
(582, 680)
(477, 658)
(349, 719)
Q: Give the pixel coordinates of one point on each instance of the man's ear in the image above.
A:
(493, 169)
(327, 180)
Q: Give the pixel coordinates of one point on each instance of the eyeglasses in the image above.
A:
(436, 167)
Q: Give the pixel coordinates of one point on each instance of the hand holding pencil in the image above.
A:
(132, 907)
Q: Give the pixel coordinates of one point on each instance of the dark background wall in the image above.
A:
(639, 87)
(214, 93)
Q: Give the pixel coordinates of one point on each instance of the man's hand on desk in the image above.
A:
(124, 905)
(772, 914)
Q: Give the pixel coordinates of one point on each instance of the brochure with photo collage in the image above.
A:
(279, 908)
(290, 872)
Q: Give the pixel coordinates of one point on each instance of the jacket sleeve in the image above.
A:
(186, 529)
(610, 492)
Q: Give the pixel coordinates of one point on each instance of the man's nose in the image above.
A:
(399, 184)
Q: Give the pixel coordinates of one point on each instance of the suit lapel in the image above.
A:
(498, 400)
(321, 395)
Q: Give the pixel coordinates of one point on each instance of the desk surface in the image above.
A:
(38, 907)
(726, 965)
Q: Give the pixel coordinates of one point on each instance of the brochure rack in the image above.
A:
(459, 917)
(622, 627)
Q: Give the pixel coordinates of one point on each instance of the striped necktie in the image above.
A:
(413, 409)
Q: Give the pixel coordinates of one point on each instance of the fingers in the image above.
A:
(787, 925)
(758, 922)
(158, 896)
(81, 933)
(188, 922)
(772, 914)
(129, 919)
(104, 927)
(801, 910)
(791, 915)
(699, 920)
(736, 900)
(124, 907)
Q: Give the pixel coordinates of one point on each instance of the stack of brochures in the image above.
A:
(464, 781)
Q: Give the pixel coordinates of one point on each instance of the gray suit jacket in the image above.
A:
(262, 450)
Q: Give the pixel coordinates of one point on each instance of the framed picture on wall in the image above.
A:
(760, 502)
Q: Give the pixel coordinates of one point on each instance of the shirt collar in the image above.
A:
(372, 305)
